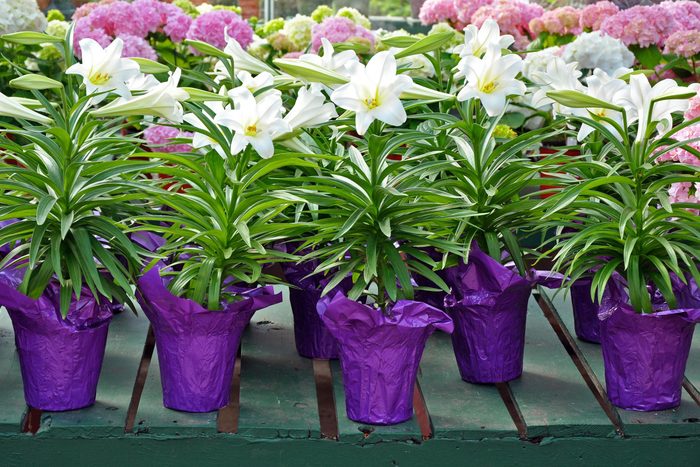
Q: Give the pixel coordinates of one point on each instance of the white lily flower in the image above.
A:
(491, 79)
(558, 76)
(142, 82)
(255, 123)
(310, 109)
(373, 92)
(478, 40)
(104, 69)
(340, 63)
(199, 139)
(11, 107)
(607, 89)
(161, 101)
(641, 103)
(252, 84)
(242, 60)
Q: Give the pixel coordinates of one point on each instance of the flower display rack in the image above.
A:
(294, 408)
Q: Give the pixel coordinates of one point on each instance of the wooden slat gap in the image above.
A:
(422, 415)
(578, 358)
(691, 390)
(140, 381)
(228, 416)
(511, 403)
(325, 396)
(32, 421)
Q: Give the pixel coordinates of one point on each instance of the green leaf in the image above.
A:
(427, 44)
(66, 223)
(579, 100)
(206, 49)
(35, 82)
(30, 38)
(44, 208)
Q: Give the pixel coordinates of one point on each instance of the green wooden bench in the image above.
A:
(287, 410)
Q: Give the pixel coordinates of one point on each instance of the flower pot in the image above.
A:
(549, 151)
(197, 347)
(586, 322)
(379, 354)
(645, 354)
(489, 307)
(60, 358)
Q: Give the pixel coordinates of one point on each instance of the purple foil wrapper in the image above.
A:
(379, 354)
(197, 347)
(489, 307)
(150, 241)
(645, 354)
(60, 359)
(586, 322)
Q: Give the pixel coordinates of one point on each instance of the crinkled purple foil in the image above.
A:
(379, 354)
(645, 354)
(148, 240)
(60, 359)
(586, 322)
(197, 347)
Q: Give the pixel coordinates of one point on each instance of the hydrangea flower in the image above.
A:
(298, 32)
(322, 12)
(438, 11)
(465, 9)
(355, 16)
(336, 30)
(593, 50)
(57, 28)
(137, 47)
(55, 15)
(560, 21)
(270, 27)
(683, 43)
(87, 8)
(685, 192)
(693, 109)
(641, 25)
(187, 7)
(158, 136)
(211, 27)
(21, 15)
(681, 155)
(535, 63)
(592, 15)
(684, 12)
(513, 17)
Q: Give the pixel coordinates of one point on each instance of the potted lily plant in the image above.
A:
(489, 172)
(226, 207)
(374, 214)
(68, 193)
(641, 243)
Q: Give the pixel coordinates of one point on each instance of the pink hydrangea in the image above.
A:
(437, 11)
(84, 30)
(684, 12)
(683, 43)
(694, 108)
(641, 25)
(338, 29)
(211, 28)
(685, 192)
(465, 9)
(512, 16)
(560, 21)
(164, 17)
(293, 55)
(158, 136)
(681, 155)
(86, 8)
(592, 15)
(137, 47)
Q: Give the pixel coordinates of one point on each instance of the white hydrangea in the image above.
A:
(536, 62)
(594, 50)
(21, 15)
(204, 8)
(355, 16)
(298, 31)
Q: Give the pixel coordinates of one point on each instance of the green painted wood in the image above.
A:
(278, 393)
(552, 395)
(682, 421)
(12, 405)
(460, 410)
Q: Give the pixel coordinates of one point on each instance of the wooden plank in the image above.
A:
(692, 370)
(12, 405)
(278, 397)
(552, 395)
(140, 381)
(327, 411)
(682, 421)
(459, 410)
